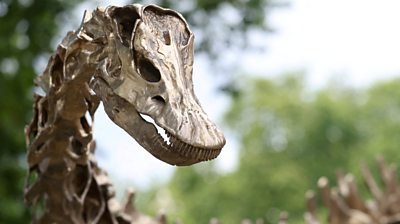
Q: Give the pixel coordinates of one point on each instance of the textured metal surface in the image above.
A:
(148, 71)
(138, 61)
(345, 203)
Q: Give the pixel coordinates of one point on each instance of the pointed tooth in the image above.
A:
(163, 142)
(190, 151)
(201, 156)
(171, 147)
(187, 151)
(203, 153)
(181, 147)
(198, 154)
(208, 154)
(183, 150)
(194, 153)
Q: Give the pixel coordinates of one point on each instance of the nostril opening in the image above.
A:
(158, 99)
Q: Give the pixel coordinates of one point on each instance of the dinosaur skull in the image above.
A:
(148, 72)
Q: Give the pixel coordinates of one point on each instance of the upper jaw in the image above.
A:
(172, 150)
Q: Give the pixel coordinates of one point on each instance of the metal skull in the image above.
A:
(148, 73)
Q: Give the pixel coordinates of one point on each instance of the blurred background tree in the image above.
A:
(289, 137)
(27, 28)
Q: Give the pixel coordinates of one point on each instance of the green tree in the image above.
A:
(27, 29)
(289, 137)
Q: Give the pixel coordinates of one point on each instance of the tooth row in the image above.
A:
(191, 151)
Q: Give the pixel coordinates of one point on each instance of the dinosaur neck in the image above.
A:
(63, 175)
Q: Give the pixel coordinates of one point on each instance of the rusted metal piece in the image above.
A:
(346, 206)
(138, 61)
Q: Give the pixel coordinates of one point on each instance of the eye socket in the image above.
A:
(148, 71)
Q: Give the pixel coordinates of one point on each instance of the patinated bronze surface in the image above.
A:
(345, 203)
(138, 61)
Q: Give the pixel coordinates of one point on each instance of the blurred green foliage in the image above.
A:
(288, 135)
(26, 31)
(288, 138)
(222, 24)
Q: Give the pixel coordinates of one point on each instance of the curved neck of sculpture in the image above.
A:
(60, 145)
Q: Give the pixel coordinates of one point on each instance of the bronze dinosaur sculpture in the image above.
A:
(138, 61)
